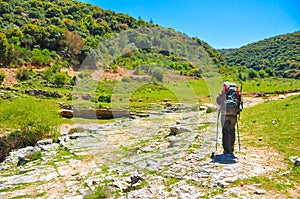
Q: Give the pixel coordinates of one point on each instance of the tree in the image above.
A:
(6, 50)
(73, 44)
(252, 74)
(5, 8)
(262, 73)
(157, 73)
(3, 48)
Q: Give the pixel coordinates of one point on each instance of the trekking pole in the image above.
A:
(217, 130)
(238, 130)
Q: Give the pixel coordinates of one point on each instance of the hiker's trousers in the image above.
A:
(228, 132)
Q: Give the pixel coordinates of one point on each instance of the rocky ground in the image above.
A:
(162, 156)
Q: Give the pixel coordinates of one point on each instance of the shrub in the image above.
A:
(37, 155)
(59, 79)
(262, 73)
(252, 74)
(104, 98)
(24, 74)
(2, 76)
(210, 109)
(157, 73)
(125, 79)
(42, 57)
(73, 80)
(297, 76)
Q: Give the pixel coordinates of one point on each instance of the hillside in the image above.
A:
(279, 55)
(64, 32)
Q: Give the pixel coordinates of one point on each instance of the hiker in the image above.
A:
(229, 102)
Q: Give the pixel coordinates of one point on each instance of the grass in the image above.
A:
(269, 84)
(277, 122)
(169, 181)
(15, 111)
(63, 154)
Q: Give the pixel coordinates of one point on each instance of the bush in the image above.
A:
(263, 74)
(2, 76)
(42, 57)
(73, 80)
(157, 74)
(211, 109)
(37, 155)
(252, 74)
(24, 74)
(125, 79)
(60, 78)
(104, 98)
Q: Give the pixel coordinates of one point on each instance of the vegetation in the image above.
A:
(2, 76)
(279, 129)
(28, 120)
(35, 119)
(65, 32)
(273, 56)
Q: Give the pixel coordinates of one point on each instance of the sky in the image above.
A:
(220, 23)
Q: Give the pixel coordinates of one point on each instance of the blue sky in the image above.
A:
(221, 23)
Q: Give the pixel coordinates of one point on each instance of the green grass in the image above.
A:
(277, 122)
(269, 84)
(169, 181)
(28, 112)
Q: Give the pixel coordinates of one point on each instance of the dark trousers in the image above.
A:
(228, 132)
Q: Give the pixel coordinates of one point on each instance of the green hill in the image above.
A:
(279, 55)
(64, 32)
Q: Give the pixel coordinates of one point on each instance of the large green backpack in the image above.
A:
(231, 98)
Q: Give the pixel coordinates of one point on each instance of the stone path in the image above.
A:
(138, 158)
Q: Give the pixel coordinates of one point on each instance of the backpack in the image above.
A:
(231, 98)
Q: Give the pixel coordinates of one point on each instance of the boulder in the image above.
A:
(66, 113)
(26, 157)
(174, 130)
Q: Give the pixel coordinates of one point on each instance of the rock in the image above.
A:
(281, 96)
(202, 108)
(45, 93)
(78, 135)
(119, 184)
(135, 179)
(295, 160)
(66, 113)
(25, 157)
(174, 130)
(260, 192)
(260, 139)
(44, 142)
(167, 111)
(86, 97)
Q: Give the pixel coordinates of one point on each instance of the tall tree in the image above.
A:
(4, 49)
(73, 44)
